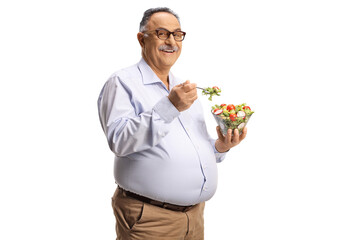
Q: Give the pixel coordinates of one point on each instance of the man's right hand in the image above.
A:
(182, 96)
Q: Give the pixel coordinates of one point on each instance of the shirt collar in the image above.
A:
(149, 77)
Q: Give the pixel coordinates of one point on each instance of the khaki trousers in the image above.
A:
(136, 220)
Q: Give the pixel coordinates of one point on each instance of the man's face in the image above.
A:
(153, 47)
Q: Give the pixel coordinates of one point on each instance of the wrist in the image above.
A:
(219, 148)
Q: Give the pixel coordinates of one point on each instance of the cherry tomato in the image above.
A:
(247, 107)
(223, 105)
(216, 89)
(233, 117)
(230, 107)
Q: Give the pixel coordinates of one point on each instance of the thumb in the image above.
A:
(243, 135)
(186, 82)
(182, 84)
(220, 135)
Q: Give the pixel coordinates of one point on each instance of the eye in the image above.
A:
(178, 35)
(162, 33)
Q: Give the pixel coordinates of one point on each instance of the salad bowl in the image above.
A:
(231, 116)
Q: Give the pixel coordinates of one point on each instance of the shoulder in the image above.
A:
(125, 74)
(126, 77)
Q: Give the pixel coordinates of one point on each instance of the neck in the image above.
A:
(162, 74)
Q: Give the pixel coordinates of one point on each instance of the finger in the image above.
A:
(220, 135)
(189, 87)
(193, 98)
(191, 93)
(184, 83)
(187, 82)
(236, 136)
(179, 86)
(243, 135)
(228, 136)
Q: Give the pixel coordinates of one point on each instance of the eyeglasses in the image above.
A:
(164, 34)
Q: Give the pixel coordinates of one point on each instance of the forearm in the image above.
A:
(130, 135)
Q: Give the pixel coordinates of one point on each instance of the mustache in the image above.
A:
(168, 48)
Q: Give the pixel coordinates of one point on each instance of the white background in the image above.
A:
(296, 63)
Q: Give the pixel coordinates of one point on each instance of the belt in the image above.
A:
(165, 205)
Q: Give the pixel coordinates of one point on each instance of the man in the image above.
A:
(165, 161)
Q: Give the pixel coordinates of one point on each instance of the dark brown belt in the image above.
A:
(165, 205)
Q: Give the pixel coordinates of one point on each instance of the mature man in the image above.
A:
(165, 161)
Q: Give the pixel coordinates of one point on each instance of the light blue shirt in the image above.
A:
(160, 153)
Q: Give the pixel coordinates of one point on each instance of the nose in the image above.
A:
(170, 40)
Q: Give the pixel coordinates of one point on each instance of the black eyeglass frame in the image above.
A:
(168, 35)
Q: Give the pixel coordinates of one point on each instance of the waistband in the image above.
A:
(165, 205)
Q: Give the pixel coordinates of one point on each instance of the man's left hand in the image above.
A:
(224, 143)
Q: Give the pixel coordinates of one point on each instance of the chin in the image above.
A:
(169, 63)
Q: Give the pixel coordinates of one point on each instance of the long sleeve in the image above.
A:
(219, 156)
(126, 130)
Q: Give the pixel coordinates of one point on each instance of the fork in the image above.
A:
(202, 89)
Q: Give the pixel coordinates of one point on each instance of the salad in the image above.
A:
(211, 91)
(231, 116)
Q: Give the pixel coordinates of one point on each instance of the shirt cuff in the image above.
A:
(218, 155)
(166, 110)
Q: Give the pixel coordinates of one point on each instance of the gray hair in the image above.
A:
(148, 13)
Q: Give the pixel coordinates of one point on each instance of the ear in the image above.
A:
(140, 37)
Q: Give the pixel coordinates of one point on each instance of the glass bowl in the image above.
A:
(237, 123)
